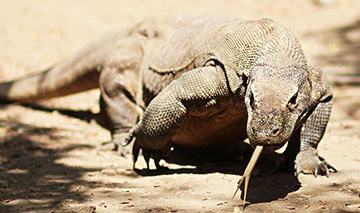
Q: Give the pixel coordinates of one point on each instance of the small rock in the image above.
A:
(323, 203)
(352, 206)
(159, 209)
(87, 209)
(108, 172)
(91, 174)
(290, 207)
(102, 204)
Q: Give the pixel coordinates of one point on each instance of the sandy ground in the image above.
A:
(48, 160)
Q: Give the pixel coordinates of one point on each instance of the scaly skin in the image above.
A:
(197, 81)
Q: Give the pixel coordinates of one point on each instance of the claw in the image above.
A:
(247, 173)
(121, 150)
(298, 169)
(308, 162)
(331, 167)
(130, 136)
(108, 145)
(327, 171)
(128, 139)
(157, 163)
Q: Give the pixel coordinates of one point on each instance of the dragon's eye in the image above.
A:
(292, 102)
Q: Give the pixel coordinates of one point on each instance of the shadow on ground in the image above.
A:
(84, 115)
(30, 178)
(271, 178)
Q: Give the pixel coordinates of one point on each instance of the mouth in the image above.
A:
(270, 147)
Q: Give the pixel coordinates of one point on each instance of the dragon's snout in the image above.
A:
(269, 129)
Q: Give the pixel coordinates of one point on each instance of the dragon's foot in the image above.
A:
(156, 156)
(308, 162)
(112, 146)
(148, 154)
(116, 144)
(108, 145)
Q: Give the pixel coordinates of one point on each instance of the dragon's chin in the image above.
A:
(272, 148)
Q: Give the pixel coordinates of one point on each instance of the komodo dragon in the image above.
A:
(197, 81)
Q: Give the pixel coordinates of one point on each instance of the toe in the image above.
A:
(308, 162)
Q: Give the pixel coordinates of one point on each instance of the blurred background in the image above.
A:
(38, 33)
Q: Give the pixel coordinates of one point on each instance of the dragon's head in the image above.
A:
(276, 98)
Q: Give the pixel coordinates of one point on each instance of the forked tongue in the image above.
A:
(247, 172)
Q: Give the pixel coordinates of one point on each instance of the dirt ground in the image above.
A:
(48, 159)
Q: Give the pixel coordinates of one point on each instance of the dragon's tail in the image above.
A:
(76, 74)
(47, 84)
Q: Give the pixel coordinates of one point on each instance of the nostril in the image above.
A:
(276, 132)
